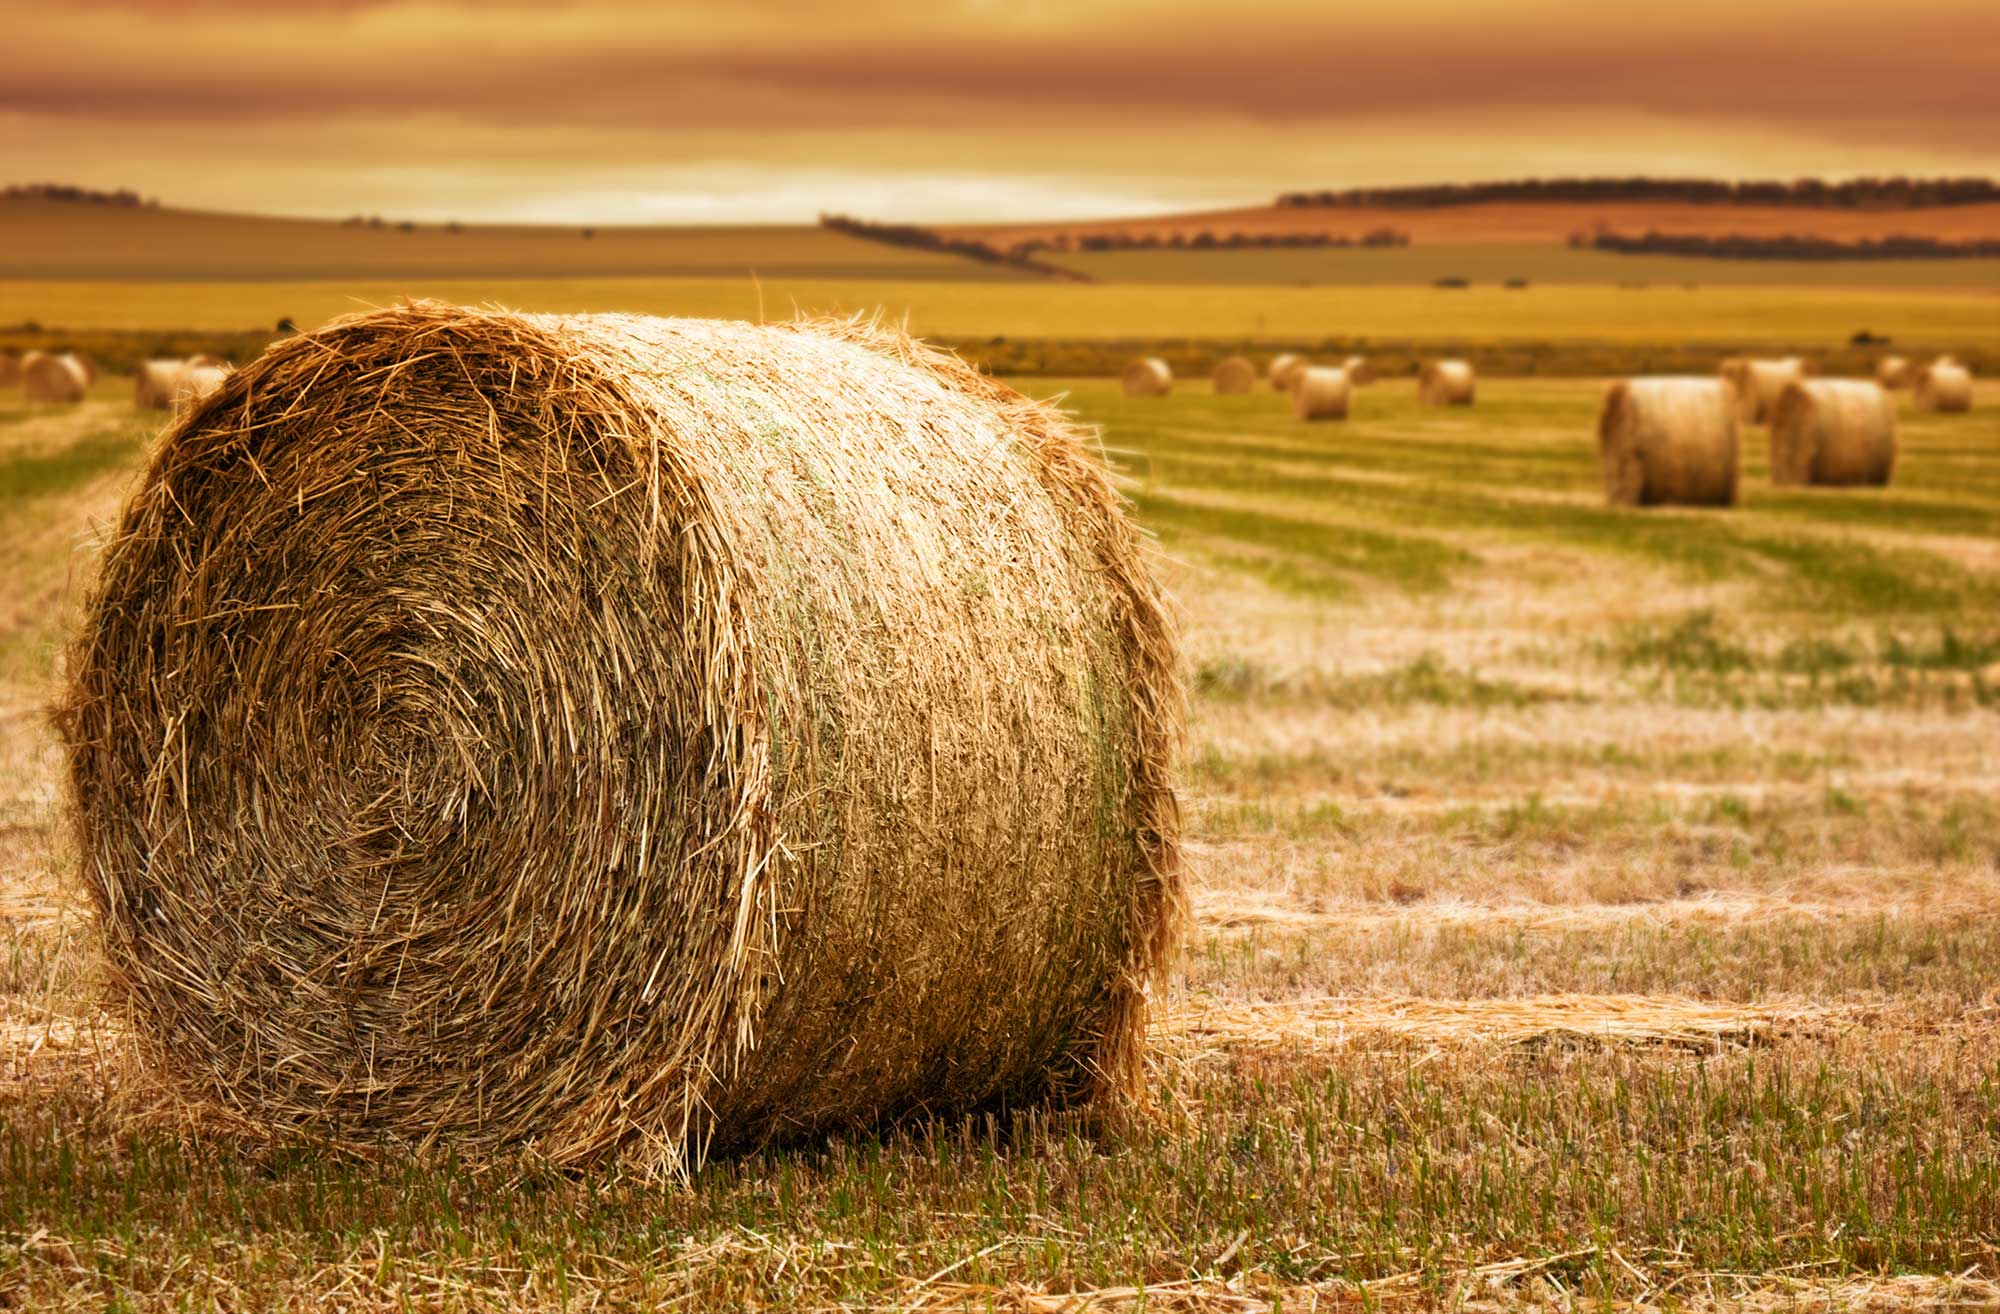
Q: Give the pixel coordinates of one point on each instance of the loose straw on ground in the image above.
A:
(1668, 441)
(612, 732)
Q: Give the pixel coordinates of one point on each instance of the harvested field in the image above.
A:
(1589, 906)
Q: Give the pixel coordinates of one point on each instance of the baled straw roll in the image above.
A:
(1833, 431)
(609, 731)
(1282, 368)
(1893, 372)
(1320, 393)
(47, 378)
(1148, 376)
(1668, 441)
(1359, 371)
(1235, 374)
(157, 382)
(1446, 383)
(1760, 383)
(1944, 386)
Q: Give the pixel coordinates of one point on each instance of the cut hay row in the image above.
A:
(1282, 369)
(1668, 442)
(1756, 385)
(1837, 432)
(1319, 393)
(55, 378)
(1194, 1025)
(1148, 376)
(1943, 386)
(612, 732)
(1446, 383)
(1234, 374)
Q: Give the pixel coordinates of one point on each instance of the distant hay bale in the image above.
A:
(1359, 372)
(1757, 385)
(46, 378)
(1445, 383)
(611, 733)
(156, 383)
(1893, 372)
(199, 382)
(1320, 393)
(1833, 431)
(1235, 374)
(1668, 442)
(1943, 386)
(1148, 376)
(208, 359)
(1282, 368)
(86, 365)
(10, 370)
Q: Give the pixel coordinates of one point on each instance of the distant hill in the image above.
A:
(46, 234)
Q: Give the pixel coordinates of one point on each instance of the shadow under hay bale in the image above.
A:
(1234, 374)
(1446, 383)
(1668, 442)
(1320, 393)
(609, 732)
(1836, 432)
(1148, 376)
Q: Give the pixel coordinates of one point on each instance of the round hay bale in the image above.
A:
(1445, 383)
(1282, 368)
(1148, 376)
(198, 382)
(1320, 393)
(1838, 432)
(609, 731)
(1235, 374)
(1360, 372)
(86, 365)
(46, 378)
(1943, 386)
(1668, 441)
(208, 359)
(10, 370)
(1893, 372)
(1759, 384)
(156, 383)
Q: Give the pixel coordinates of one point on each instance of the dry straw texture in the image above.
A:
(1235, 374)
(1319, 393)
(1758, 385)
(156, 383)
(1360, 372)
(1833, 431)
(1943, 385)
(1893, 372)
(1148, 376)
(608, 732)
(1668, 441)
(1446, 383)
(46, 378)
(1282, 369)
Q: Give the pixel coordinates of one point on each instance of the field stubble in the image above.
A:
(1591, 905)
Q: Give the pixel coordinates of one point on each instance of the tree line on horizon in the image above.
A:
(1787, 246)
(1896, 193)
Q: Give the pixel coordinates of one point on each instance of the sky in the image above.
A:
(965, 109)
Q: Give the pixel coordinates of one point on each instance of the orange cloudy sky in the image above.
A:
(614, 112)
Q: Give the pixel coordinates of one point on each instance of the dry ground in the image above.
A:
(1594, 908)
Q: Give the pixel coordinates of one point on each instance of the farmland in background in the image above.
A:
(1589, 902)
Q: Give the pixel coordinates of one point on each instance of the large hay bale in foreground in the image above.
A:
(1668, 441)
(613, 731)
(1235, 374)
(1283, 367)
(1833, 431)
(1320, 393)
(156, 381)
(1943, 385)
(1360, 372)
(47, 378)
(1893, 372)
(1148, 376)
(1446, 383)
(1759, 384)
